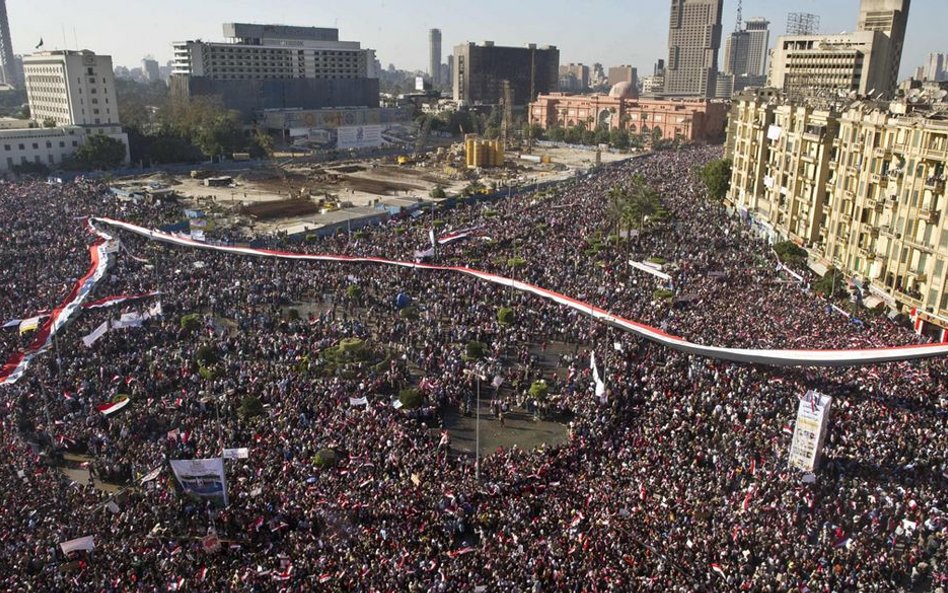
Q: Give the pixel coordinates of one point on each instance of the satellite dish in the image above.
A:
(940, 96)
(871, 92)
(914, 93)
(853, 94)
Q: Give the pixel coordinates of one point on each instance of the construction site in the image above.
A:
(306, 195)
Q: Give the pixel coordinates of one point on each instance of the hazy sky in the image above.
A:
(608, 31)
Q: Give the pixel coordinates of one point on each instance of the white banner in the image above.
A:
(600, 385)
(202, 477)
(802, 357)
(358, 137)
(239, 453)
(650, 269)
(97, 333)
(359, 401)
(86, 543)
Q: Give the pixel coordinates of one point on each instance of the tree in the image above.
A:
(411, 398)
(99, 152)
(505, 316)
(250, 406)
(717, 178)
(556, 134)
(437, 193)
(49, 123)
(31, 169)
(618, 139)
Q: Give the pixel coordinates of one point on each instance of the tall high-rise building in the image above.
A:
(694, 36)
(7, 63)
(434, 56)
(151, 70)
(758, 30)
(481, 72)
(935, 67)
(735, 53)
(889, 17)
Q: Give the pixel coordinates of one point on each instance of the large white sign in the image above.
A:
(810, 431)
(359, 137)
(201, 477)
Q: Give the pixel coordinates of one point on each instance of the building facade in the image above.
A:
(745, 51)
(890, 19)
(277, 67)
(865, 61)
(624, 73)
(574, 77)
(151, 70)
(8, 67)
(40, 146)
(481, 72)
(862, 187)
(687, 120)
(936, 68)
(694, 37)
(434, 56)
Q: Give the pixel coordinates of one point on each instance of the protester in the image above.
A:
(675, 480)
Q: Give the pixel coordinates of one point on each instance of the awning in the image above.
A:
(872, 301)
(818, 268)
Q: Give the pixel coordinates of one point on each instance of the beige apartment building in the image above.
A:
(861, 186)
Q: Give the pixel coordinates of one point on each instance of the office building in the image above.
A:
(659, 68)
(23, 146)
(434, 56)
(481, 72)
(7, 62)
(150, 70)
(890, 18)
(72, 88)
(277, 67)
(694, 36)
(865, 61)
(936, 68)
(574, 77)
(745, 51)
(861, 185)
(688, 120)
(653, 86)
(623, 73)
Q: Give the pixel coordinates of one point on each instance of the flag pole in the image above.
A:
(477, 433)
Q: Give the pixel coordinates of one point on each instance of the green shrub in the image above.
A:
(832, 279)
(206, 355)
(400, 230)
(209, 373)
(293, 314)
(411, 398)
(475, 350)
(353, 291)
(539, 390)
(658, 260)
(191, 322)
(410, 313)
(505, 316)
(516, 262)
(490, 213)
(250, 406)
(311, 238)
(325, 458)
(662, 294)
(789, 252)
(348, 350)
(438, 223)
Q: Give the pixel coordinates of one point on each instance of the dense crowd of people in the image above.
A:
(675, 480)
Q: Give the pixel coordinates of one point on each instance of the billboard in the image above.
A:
(809, 433)
(202, 477)
(359, 137)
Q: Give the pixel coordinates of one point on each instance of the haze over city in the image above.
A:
(605, 31)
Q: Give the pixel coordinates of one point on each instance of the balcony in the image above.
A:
(874, 232)
(881, 152)
(936, 184)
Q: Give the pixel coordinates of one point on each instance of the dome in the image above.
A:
(623, 90)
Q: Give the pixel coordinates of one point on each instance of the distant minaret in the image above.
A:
(434, 62)
(7, 65)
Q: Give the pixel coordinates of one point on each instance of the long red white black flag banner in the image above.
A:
(847, 357)
(14, 368)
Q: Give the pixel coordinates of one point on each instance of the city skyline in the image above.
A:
(399, 33)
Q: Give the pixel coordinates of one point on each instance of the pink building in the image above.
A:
(696, 120)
